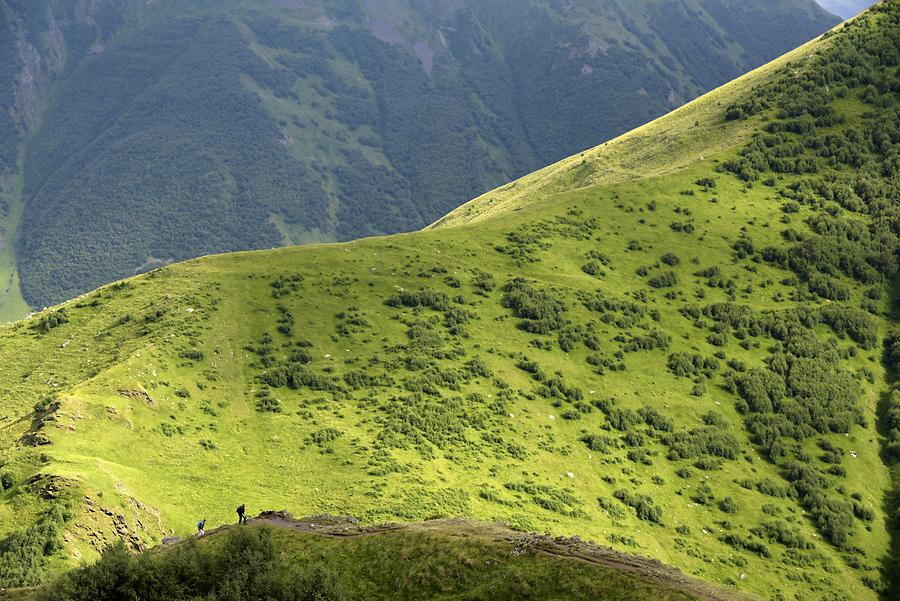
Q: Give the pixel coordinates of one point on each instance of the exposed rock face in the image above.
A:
(40, 54)
(43, 45)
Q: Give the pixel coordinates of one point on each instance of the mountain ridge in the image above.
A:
(503, 198)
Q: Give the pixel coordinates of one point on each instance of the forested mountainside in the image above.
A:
(137, 133)
(682, 343)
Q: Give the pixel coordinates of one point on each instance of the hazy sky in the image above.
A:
(846, 8)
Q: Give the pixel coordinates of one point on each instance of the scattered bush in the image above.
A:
(192, 355)
(23, 553)
(424, 297)
(483, 282)
(666, 279)
(743, 543)
(777, 531)
(541, 312)
(708, 440)
(644, 507)
(828, 288)
(691, 365)
(324, 436)
(50, 321)
(728, 505)
(599, 443)
(593, 268)
(266, 403)
(703, 495)
(670, 259)
(653, 340)
(613, 510)
(246, 565)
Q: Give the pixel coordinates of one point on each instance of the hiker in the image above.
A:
(200, 526)
(242, 514)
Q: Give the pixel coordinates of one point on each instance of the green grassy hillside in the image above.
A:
(329, 560)
(694, 363)
(135, 134)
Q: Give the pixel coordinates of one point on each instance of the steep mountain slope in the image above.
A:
(681, 343)
(160, 131)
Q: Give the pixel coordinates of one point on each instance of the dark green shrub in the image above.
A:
(623, 419)
(192, 355)
(593, 268)
(728, 505)
(324, 436)
(541, 311)
(640, 455)
(599, 443)
(483, 282)
(644, 507)
(703, 495)
(743, 248)
(419, 298)
(708, 440)
(266, 403)
(655, 419)
(23, 553)
(50, 321)
(614, 511)
(666, 279)
(691, 365)
(670, 259)
(743, 543)
(655, 339)
(777, 531)
(708, 464)
(828, 288)
(245, 566)
(284, 285)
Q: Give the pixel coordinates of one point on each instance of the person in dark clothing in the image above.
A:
(242, 514)
(201, 526)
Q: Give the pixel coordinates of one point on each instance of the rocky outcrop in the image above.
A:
(40, 54)
(43, 48)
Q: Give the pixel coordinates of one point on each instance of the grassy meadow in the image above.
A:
(686, 364)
